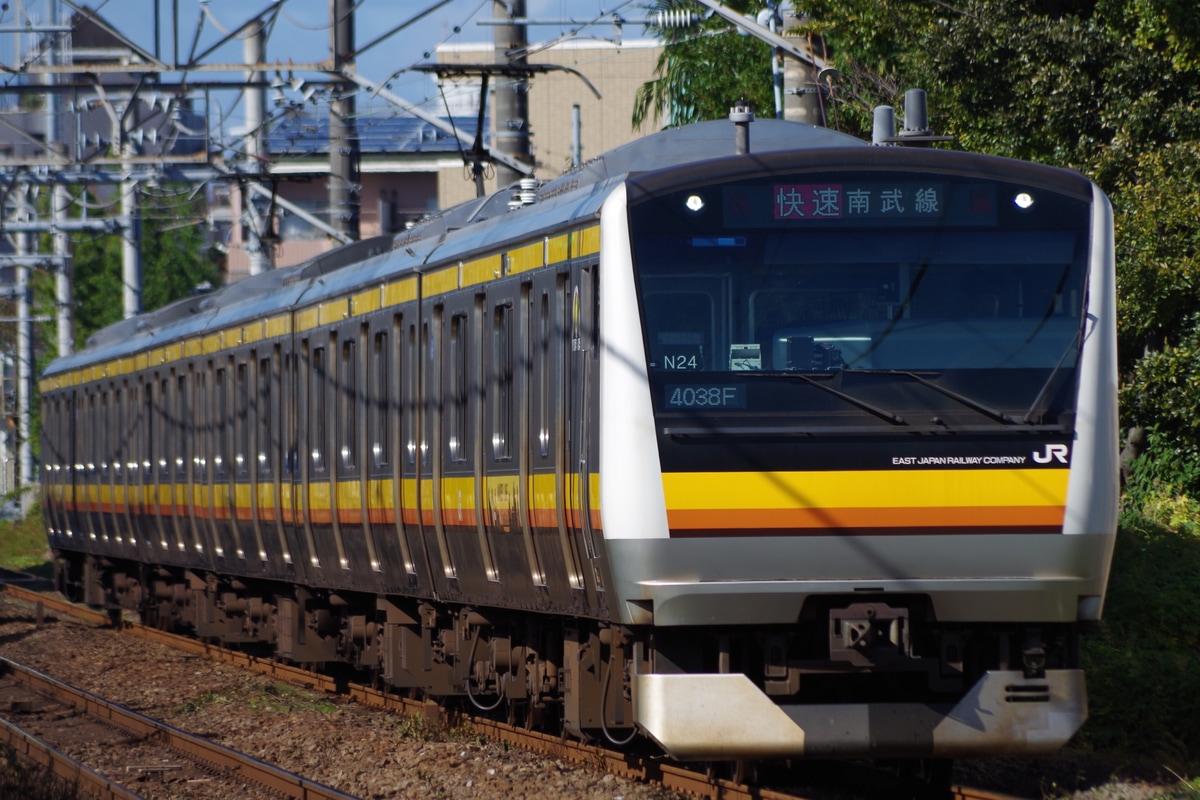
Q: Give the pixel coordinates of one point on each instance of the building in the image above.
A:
(401, 158)
(411, 167)
(615, 70)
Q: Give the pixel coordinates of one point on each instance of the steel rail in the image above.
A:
(60, 765)
(274, 779)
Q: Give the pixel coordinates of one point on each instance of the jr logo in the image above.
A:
(1052, 452)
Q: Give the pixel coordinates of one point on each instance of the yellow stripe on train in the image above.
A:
(866, 499)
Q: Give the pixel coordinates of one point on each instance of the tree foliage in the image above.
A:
(686, 89)
(1107, 87)
(176, 258)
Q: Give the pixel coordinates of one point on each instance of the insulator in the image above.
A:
(528, 191)
(676, 18)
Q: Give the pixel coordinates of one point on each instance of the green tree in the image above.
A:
(1107, 87)
(704, 70)
(175, 259)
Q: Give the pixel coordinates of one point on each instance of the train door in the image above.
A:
(505, 465)
(98, 493)
(53, 426)
(203, 525)
(243, 512)
(546, 483)
(185, 427)
(312, 486)
(381, 436)
(347, 468)
(579, 445)
(148, 433)
(407, 491)
(461, 494)
(462, 484)
(114, 482)
(269, 424)
(162, 465)
(433, 393)
(126, 491)
(75, 491)
(76, 525)
(293, 405)
(129, 466)
(181, 432)
(220, 504)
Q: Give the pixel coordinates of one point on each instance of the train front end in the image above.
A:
(858, 450)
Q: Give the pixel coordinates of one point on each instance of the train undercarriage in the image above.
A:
(580, 676)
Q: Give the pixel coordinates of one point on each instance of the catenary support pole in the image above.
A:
(131, 239)
(512, 93)
(25, 476)
(344, 179)
(253, 48)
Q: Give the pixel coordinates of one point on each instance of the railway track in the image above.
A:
(671, 777)
(63, 713)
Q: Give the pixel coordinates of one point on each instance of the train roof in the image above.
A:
(460, 232)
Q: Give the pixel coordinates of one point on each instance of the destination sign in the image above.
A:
(885, 203)
(802, 201)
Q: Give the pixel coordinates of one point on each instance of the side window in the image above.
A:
(502, 382)
(380, 400)
(544, 368)
(432, 391)
(458, 386)
(91, 433)
(241, 422)
(317, 429)
(264, 418)
(106, 434)
(220, 422)
(412, 394)
(117, 437)
(347, 413)
(153, 428)
(201, 440)
(182, 427)
(166, 422)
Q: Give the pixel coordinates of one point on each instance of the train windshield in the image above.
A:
(863, 297)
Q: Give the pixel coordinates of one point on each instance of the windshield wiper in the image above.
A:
(986, 410)
(882, 413)
(1038, 402)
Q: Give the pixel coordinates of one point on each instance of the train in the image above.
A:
(741, 442)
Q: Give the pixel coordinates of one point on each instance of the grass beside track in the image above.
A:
(1143, 664)
(23, 545)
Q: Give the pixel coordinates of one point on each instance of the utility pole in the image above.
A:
(512, 94)
(131, 233)
(25, 475)
(804, 100)
(344, 179)
(253, 47)
(60, 200)
(807, 103)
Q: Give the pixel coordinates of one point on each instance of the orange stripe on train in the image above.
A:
(751, 519)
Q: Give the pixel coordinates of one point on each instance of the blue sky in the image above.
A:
(301, 32)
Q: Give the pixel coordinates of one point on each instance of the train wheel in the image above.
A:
(512, 714)
(926, 778)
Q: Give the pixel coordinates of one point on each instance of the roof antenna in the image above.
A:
(741, 116)
(883, 130)
(916, 114)
(916, 131)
